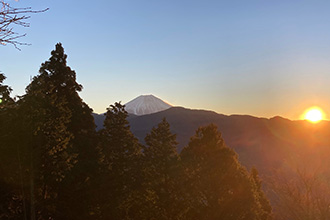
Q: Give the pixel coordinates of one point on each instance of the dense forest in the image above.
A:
(55, 165)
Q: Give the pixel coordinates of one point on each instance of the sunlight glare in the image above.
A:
(314, 114)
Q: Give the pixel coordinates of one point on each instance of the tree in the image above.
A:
(218, 187)
(75, 197)
(303, 194)
(55, 133)
(4, 92)
(11, 202)
(46, 139)
(6, 103)
(121, 154)
(10, 16)
(261, 197)
(162, 175)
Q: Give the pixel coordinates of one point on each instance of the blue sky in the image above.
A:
(262, 58)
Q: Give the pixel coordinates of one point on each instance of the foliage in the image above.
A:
(53, 132)
(47, 141)
(260, 195)
(120, 167)
(10, 200)
(219, 187)
(162, 175)
(4, 91)
(61, 81)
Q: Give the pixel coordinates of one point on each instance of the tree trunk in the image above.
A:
(32, 199)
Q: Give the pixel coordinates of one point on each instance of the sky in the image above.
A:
(263, 58)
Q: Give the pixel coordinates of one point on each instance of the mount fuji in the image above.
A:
(146, 104)
(266, 144)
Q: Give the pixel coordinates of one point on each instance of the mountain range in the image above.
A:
(275, 143)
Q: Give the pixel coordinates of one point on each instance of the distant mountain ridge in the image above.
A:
(260, 142)
(146, 104)
(270, 145)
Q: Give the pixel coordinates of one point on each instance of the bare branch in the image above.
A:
(9, 17)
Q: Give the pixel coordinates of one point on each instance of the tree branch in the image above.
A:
(9, 17)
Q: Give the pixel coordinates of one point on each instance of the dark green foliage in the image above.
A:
(162, 174)
(219, 187)
(10, 192)
(45, 141)
(116, 132)
(120, 165)
(6, 105)
(6, 112)
(54, 133)
(77, 187)
(4, 92)
(49, 144)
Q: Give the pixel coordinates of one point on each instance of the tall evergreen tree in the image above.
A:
(56, 138)
(162, 175)
(121, 154)
(219, 187)
(79, 192)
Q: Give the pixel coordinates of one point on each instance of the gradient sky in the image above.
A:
(262, 58)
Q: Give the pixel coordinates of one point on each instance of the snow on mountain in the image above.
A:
(146, 104)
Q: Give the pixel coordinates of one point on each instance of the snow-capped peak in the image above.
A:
(146, 104)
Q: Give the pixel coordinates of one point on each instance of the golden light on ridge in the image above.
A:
(314, 114)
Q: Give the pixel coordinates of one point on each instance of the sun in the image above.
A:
(313, 114)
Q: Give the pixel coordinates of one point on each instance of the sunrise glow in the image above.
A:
(314, 115)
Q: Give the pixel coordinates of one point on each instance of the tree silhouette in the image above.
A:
(11, 201)
(162, 172)
(46, 141)
(121, 154)
(55, 136)
(219, 187)
(4, 92)
(266, 209)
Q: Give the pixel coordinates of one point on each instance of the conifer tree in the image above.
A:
(45, 141)
(121, 154)
(162, 175)
(57, 131)
(219, 187)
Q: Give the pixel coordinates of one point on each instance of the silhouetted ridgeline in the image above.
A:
(292, 156)
(264, 143)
